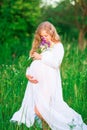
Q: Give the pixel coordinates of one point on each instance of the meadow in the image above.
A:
(13, 84)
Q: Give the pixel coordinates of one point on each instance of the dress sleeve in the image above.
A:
(53, 58)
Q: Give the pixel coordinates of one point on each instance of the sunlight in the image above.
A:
(52, 2)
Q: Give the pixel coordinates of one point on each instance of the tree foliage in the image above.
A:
(70, 17)
(18, 20)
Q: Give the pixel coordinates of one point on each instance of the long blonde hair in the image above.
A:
(50, 29)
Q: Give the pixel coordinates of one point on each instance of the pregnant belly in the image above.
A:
(35, 65)
(41, 71)
(47, 76)
(37, 69)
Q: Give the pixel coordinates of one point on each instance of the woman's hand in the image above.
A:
(36, 56)
(31, 79)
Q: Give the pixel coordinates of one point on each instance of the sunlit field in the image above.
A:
(13, 84)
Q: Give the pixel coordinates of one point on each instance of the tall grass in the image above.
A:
(13, 84)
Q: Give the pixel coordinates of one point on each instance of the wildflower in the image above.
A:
(43, 46)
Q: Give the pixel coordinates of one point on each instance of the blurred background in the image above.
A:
(18, 22)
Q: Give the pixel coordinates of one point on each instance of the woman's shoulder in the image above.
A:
(59, 48)
(59, 45)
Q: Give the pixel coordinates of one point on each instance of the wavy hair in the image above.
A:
(50, 29)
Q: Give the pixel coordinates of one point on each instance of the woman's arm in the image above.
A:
(54, 57)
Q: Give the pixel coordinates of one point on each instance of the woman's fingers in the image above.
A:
(33, 81)
(36, 56)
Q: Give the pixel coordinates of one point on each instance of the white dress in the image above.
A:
(46, 95)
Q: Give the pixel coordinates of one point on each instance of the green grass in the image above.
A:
(13, 84)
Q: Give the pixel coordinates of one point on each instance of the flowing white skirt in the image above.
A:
(46, 95)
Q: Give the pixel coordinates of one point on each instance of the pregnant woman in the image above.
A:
(43, 96)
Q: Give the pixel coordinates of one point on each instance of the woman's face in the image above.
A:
(46, 36)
